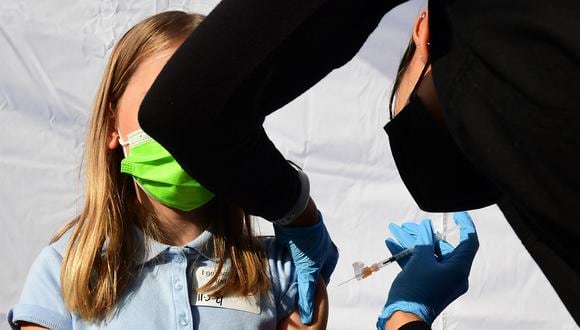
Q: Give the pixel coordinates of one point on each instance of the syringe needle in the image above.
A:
(347, 281)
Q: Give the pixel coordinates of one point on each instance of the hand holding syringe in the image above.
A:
(436, 274)
(362, 272)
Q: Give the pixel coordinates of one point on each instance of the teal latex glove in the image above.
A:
(435, 275)
(314, 254)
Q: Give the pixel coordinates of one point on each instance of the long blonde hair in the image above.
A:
(93, 278)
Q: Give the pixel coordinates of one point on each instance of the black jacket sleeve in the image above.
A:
(247, 59)
(507, 74)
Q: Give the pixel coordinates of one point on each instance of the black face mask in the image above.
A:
(448, 184)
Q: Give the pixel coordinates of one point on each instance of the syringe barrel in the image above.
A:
(403, 253)
(367, 271)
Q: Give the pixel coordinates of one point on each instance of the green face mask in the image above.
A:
(159, 174)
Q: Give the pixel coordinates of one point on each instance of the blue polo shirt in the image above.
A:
(161, 296)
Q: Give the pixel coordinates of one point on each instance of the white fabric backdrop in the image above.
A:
(52, 54)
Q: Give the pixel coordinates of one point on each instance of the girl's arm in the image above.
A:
(320, 316)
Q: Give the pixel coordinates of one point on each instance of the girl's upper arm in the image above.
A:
(320, 317)
(41, 302)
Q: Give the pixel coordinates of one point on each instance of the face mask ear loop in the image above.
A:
(122, 143)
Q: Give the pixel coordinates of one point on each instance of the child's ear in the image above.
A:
(113, 140)
(113, 135)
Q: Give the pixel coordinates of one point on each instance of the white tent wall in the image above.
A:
(52, 54)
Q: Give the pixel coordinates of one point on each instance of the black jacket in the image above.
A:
(506, 72)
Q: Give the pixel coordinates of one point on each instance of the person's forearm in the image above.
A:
(243, 62)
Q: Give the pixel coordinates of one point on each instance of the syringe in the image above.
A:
(366, 271)
(362, 272)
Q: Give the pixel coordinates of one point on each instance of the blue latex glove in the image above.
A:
(406, 236)
(435, 275)
(313, 253)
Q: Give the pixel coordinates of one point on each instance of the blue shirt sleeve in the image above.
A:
(41, 301)
(283, 277)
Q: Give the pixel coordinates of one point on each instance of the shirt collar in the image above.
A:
(203, 244)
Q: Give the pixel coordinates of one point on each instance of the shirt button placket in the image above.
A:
(183, 321)
(181, 299)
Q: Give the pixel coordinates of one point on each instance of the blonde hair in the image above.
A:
(93, 278)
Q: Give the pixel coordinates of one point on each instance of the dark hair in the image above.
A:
(403, 65)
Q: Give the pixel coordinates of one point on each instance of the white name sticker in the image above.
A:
(202, 275)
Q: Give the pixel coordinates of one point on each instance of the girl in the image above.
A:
(152, 248)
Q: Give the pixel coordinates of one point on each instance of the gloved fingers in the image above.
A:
(402, 236)
(424, 247)
(411, 228)
(395, 248)
(465, 223)
(445, 247)
(306, 294)
(425, 233)
(330, 263)
(464, 253)
(469, 242)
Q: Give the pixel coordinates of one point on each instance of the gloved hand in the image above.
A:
(313, 253)
(406, 236)
(435, 274)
